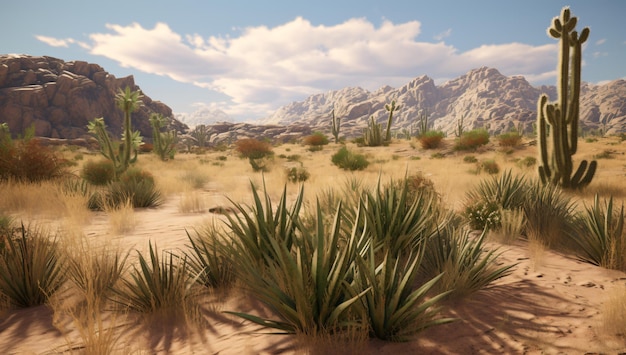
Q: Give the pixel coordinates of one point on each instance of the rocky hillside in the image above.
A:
(59, 98)
(482, 98)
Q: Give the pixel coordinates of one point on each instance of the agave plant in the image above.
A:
(602, 240)
(30, 268)
(157, 284)
(466, 266)
(507, 191)
(253, 231)
(310, 285)
(207, 259)
(395, 311)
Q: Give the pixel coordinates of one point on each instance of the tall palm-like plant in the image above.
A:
(128, 101)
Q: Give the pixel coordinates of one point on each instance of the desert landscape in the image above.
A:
(550, 303)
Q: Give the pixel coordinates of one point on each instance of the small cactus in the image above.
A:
(372, 136)
(391, 108)
(335, 126)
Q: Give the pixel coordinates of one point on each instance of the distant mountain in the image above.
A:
(59, 98)
(205, 116)
(483, 98)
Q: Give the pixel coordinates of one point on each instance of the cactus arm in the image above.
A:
(335, 126)
(542, 135)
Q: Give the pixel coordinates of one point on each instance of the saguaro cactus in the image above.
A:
(562, 115)
(335, 126)
(372, 136)
(164, 142)
(390, 108)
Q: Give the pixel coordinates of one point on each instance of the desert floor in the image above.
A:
(550, 304)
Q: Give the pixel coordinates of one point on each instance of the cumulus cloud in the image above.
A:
(55, 42)
(444, 34)
(261, 68)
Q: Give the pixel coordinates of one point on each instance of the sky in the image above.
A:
(248, 58)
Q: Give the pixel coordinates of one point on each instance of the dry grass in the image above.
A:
(121, 219)
(536, 251)
(512, 225)
(614, 312)
(192, 202)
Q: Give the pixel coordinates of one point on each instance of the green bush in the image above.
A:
(489, 166)
(208, 259)
(511, 139)
(470, 159)
(99, 173)
(347, 160)
(135, 185)
(473, 139)
(431, 139)
(295, 174)
(31, 269)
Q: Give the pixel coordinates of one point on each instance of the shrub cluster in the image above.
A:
(431, 139)
(28, 161)
(315, 141)
(473, 139)
(98, 172)
(253, 148)
(511, 139)
(348, 160)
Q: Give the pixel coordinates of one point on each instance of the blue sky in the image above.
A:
(247, 58)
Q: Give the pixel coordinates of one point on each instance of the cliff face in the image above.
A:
(59, 98)
(483, 98)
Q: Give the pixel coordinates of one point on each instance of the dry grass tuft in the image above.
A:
(121, 218)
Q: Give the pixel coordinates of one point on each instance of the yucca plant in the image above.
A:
(310, 285)
(395, 310)
(256, 226)
(30, 268)
(602, 240)
(156, 285)
(208, 259)
(466, 265)
(398, 221)
(507, 191)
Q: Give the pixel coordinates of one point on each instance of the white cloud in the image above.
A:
(600, 41)
(262, 68)
(597, 55)
(55, 42)
(445, 34)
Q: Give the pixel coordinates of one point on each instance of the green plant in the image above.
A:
(395, 310)
(470, 159)
(201, 134)
(348, 160)
(601, 239)
(489, 166)
(157, 284)
(99, 173)
(606, 154)
(527, 162)
(510, 139)
(335, 126)
(164, 142)
(297, 174)
(506, 191)
(562, 116)
(424, 126)
(437, 155)
(31, 269)
(135, 185)
(458, 131)
(430, 139)
(465, 264)
(372, 136)
(483, 215)
(473, 139)
(207, 259)
(308, 284)
(391, 108)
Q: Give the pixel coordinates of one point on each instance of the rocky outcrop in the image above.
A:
(229, 132)
(483, 98)
(59, 98)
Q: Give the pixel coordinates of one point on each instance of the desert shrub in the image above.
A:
(473, 139)
(550, 216)
(315, 141)
(347, 160)
(431, 139)
(31, 269)
(463, 262)
(195, 178)
(29, 161)
(527, 162)
(437, 155)
(470, 159)
(135, 185)
(297, 174)
(146, 148)
(510, 139)
(253, 148)
(483, 215)
(98, 172)
(489, 166)
(159, 283)
(601, 239)
(605, 154)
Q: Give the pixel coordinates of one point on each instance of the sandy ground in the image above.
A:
(551, 305)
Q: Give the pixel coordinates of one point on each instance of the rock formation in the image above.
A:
(59, 98)
(483, 98)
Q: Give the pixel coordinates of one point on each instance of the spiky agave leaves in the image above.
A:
(309, 286)
(395, 310)
(30, 268)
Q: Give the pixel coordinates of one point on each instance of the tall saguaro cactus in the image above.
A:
(562, 115)
(391, 108)
(335, 126)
